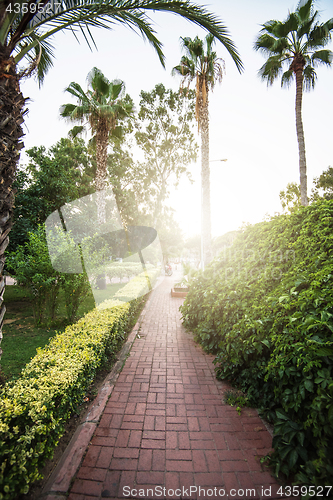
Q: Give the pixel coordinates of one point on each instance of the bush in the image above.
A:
(33, 269)
(35, 407)
(265, 308)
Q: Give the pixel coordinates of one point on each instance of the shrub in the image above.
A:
(75, 287)
(33, 270)
(265, 308)
(35, 407)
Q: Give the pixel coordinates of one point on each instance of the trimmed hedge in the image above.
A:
(137, 287)
(265, 308)
(35, 408)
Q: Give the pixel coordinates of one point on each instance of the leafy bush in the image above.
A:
(34, 271)
(35, 407)
(265, 308)
(32, 268)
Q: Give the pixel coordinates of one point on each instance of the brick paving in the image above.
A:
(165, 431)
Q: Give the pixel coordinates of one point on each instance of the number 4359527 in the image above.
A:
(294, 491)
(32, 8)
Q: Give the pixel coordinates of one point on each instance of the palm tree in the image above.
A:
(202, 65)
(25, 32)
(297, 46)
(101, 106)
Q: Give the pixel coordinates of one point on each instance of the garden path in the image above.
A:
(165, 431)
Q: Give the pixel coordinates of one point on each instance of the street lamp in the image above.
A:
(202, 221)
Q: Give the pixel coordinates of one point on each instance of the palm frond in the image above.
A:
(320, 36)
(46, 60)
(322, 57)
(265, 43)
(81, 15)
(76, 90)
(67, 110)
(304, 10)
(75, 131)
(186, 69)
(291, 24)
(270, 27)
(201, 17)
(309, 77)
(271, 69)
(210, 41)
(192, 47)
(281, 45)
(41, 51)
(287, 78)
(117, 87)
(306, 26)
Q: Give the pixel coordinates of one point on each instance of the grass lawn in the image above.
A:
(21, 338)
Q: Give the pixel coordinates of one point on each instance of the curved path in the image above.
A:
(165, 431)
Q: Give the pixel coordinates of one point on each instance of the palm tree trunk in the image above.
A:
(300, 137)
(102, 136)
(205, 182)
(11, 118)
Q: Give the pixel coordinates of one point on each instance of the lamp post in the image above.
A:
(202, 218)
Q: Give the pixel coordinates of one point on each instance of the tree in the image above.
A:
(49, 180)
(101, 106)
(200, 63)
(297, 43)
(164, 134)
(291, 197)
(170, 235)
(25, 30)
(129, 183)
(324, 184)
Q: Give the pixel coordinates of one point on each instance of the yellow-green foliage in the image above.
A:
(34, 408)
(138, 286)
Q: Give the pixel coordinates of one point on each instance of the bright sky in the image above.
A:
(251, 125)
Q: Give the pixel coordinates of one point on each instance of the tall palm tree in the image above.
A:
(25, 32)
(294, 48)
(200, 63)
(101, 106)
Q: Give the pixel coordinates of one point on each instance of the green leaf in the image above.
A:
(292, 458)
(308, 385)
(281, 414)
(324, 351)
(330, 413)
(302, 452)
(300, 438)
(284, 451)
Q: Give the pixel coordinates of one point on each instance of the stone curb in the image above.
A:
(59, 482)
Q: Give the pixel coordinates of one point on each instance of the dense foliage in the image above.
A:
(265, 308)
(51, 178)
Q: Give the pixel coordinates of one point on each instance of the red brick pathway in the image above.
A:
(165, 431)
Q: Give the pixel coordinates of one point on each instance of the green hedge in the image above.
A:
(138, 286)
(35, 408)
(265, 308)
